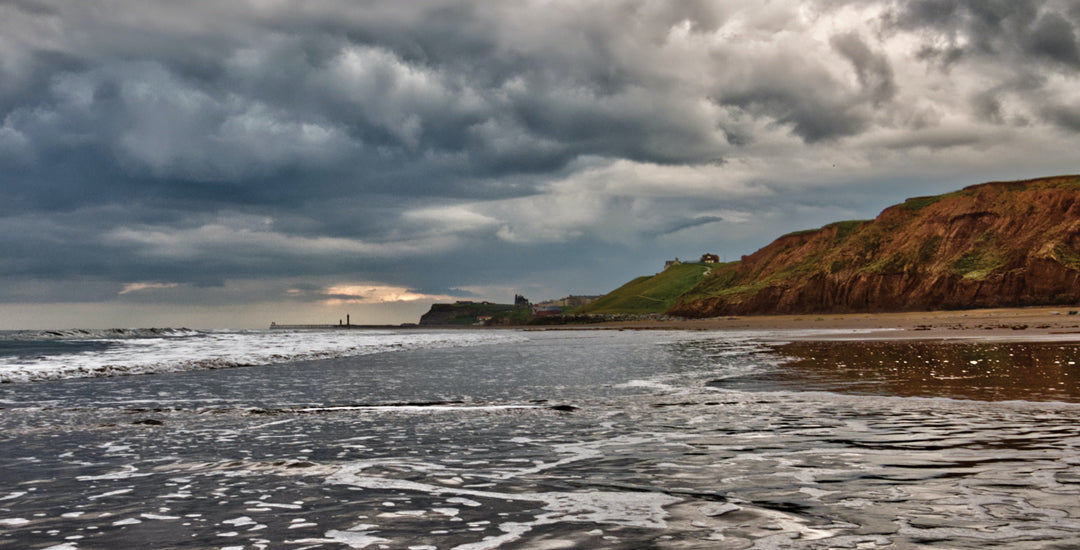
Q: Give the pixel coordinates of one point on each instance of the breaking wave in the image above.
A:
(34, 355)
(95, 334)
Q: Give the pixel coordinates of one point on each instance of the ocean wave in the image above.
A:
(155, 351)
(95, 334)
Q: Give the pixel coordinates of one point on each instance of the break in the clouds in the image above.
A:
(233, 154)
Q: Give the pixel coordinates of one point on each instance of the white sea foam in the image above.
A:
(110, 494)
(418, 408)
(351, 539)
(159, 517)
(649, 384)
(128, 472)
(63, 546)
(94, 334)
(158, 350)
(634, 509)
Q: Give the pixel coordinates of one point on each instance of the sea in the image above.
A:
(515, 439)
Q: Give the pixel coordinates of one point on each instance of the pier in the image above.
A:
(342, 325)
(275, 326)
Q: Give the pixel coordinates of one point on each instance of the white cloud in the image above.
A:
(613, 200)
(141, 286)
(228, 238)
(450, 218)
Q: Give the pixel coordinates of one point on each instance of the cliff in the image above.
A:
(999, 244)
(463, 313)
(648, 294)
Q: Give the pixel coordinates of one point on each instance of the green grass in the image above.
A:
(1072, 184)
(915, 204)
(751, 288)
(655, 294)
(1067, 257)
(918, 203)
(891, 265)
(844, 229)
(929, 248)
(977, 264)
(799, 233)
(725, 281)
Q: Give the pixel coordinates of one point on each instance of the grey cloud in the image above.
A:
(813, 105)
(681, 224)
(872, 69)
(1054, 37)
(332, 119)
(1028, 46)
(30, 7)
(1064, 116)
(987, 107)
(1012, 31)
(429, 107)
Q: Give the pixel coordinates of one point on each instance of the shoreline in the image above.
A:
(1039, 323)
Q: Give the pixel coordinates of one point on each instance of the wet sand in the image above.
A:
(1028, 354)
(981, 370)
(1056, 324)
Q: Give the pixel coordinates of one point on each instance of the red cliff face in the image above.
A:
(992, 245)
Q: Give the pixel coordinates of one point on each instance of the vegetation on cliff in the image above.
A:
(649, 294)
(996, 244)
(465, 313)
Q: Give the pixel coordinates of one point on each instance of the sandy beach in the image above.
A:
(721, 437)
(1011, 324)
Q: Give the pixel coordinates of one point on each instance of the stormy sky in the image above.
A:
(228, 164)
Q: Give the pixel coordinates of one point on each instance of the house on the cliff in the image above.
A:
(710, 258)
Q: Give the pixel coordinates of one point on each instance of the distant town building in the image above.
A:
(670, 263)
(710, 258)
(521, 301)
(546, 311)
(569, 301)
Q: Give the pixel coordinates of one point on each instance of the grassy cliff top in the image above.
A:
(650, 294)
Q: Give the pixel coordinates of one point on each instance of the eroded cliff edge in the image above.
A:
(999, 244)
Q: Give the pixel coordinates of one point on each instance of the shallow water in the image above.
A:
(587, 439)
(988, 371)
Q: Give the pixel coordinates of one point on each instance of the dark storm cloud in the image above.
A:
(202, 142)
(872, 69)
(805, 93)
(1029, 30)
(1064, 116)
(1054, 37)
(29, 6)
(812, 104)
(1029, 42)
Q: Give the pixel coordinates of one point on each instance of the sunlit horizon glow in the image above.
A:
(375, 294)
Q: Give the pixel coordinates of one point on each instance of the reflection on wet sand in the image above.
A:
(981, 371)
